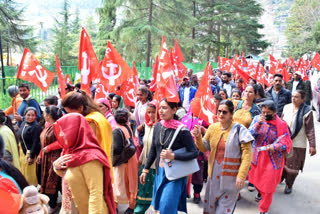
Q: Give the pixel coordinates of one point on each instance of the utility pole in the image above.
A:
(2, 68)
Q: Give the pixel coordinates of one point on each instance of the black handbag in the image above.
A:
(129, 149)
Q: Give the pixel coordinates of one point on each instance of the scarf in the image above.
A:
(282, 128)
(84, 147)
(303, 109)
(107, 103)
(171, 124)
(155, 104)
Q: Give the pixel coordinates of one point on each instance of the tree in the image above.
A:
(107, 22)
(139, 34)
(62, 43)
(303, 28)
(13, 33)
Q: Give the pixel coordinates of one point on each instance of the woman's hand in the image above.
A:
(30, 160)
(239, 183)
(140, 128)
(17, 117)
(38, 159)
(261, 118)
(196, 132)
(44, 150)
(143, 178)
(270, 148)
(60, 163)
(167, 154)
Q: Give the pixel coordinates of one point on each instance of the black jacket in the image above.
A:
(283, 98)
(184, 139)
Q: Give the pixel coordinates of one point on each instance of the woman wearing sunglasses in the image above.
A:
(229, 144)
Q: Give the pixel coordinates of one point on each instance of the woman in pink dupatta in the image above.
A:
(272, 140)
(105, 107)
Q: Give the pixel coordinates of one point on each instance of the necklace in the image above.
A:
(166, 141)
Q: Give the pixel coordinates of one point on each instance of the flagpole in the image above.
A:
(2, 68)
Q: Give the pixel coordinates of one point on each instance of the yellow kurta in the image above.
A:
(103, 131)
(213, 136)
(86, 186)
(10, 144)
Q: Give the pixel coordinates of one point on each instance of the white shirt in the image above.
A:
(228, 88)
(186, 103)
(294, 85)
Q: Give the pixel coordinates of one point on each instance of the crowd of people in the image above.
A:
(101, 153)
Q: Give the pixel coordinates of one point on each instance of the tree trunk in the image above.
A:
(218, 42)
(149, 35)
(193, 30)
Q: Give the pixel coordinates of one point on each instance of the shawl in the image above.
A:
(84, 147)
(303, 109)
(282, 129)
(153, 103)
(171, 124)
(108, 114)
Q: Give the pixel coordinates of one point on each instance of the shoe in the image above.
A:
(129, 211)
(251, 187)
(196, 198)
(258, 197)
(287, 190)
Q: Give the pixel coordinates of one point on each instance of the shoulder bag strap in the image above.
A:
(175, 135)
(23, 137)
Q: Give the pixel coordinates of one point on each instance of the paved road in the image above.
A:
(304, 199)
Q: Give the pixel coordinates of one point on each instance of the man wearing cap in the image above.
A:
(296, 83)
(186, 93)
(13, 91)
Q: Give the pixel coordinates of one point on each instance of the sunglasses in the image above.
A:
(223, 112)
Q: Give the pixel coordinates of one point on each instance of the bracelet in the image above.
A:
(145, 171)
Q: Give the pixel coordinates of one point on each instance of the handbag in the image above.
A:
(175, 169)
(129, 149)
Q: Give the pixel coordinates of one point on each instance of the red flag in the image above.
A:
(267, 79)
(260, 73)
(274, 65)
(31, 70)
(88, 66)
(62, 83)
(179, 68)
(166, 86)
(315, 62)
(101, 92)
(153, 85)
(224, 63)
(165, 69)
(114, 69)
(291, 62)
(251, 70)
(129, 88)
(285, 74)
(302, 70)
(238, 72)
(238, 61)
(244, 61)
(202, 105)
(68, 79)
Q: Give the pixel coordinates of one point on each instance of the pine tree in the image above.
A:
(139, 34)
(62, 43)
(13, 33)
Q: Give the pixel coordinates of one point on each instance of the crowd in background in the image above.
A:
(101, 153)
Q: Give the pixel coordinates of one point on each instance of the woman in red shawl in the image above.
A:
(272, 140)
(84, 165)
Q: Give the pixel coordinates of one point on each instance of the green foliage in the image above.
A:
(14, 34)
(62, 43)
(303, 28)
